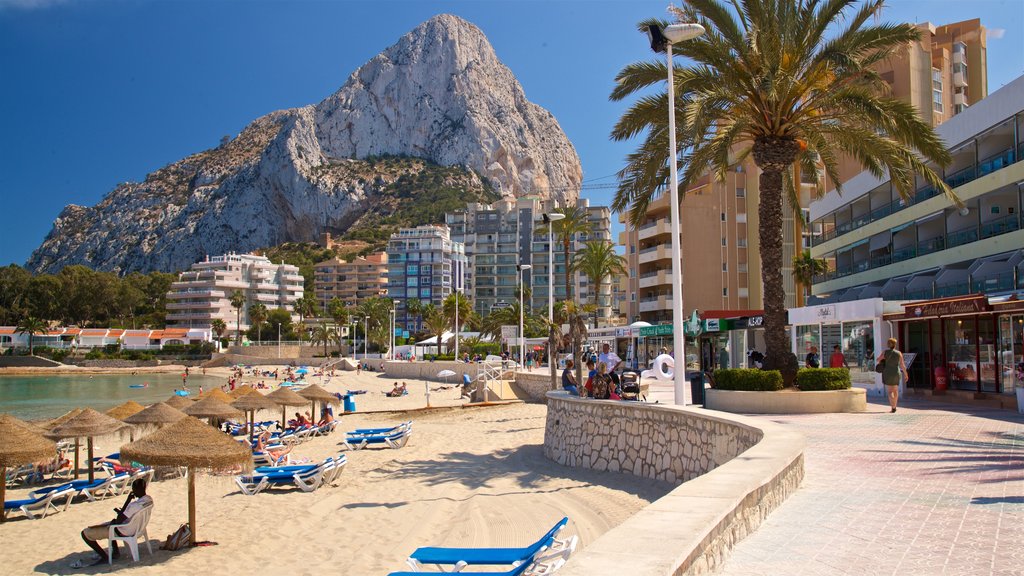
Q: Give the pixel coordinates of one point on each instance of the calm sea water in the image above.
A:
(38, 397)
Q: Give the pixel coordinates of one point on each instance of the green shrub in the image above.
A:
(748, 379)
(823, 379)
(94, 354)
(59, 355)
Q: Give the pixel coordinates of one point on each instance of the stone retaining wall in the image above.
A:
(787, 401)
(734, 472)
(535, 384)
(429, 370)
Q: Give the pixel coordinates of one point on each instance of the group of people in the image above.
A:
(398, 390)
(836, 360)
(603, 382)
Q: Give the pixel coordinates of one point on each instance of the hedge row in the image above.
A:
(823, 379)
(748, 379)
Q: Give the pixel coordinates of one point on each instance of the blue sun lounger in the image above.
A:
(395, 440)
(44, 502)
(378, 431)
(516, 571)
(484, 556)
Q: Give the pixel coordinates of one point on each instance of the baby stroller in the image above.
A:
(631, 387)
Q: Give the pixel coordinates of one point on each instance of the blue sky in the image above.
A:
(97, 92)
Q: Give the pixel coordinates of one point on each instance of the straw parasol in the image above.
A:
(125, 410)
(178, 402)
(190, 443)
(252, 402)
(285, 398)
(159, 413)
(212, 408)
(60, 420)
(88, 424)
(241, 391)
(314, 394)
(218, 394)
(19, 444)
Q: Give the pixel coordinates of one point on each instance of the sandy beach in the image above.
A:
(467, 477)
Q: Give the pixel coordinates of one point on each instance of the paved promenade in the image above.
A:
(932, 489)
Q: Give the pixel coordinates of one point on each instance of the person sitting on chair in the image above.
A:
(136, 502)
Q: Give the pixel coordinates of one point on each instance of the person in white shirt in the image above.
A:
(137, 501)
(612, 361)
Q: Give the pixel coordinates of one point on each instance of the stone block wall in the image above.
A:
(535, 384)
(732, 472)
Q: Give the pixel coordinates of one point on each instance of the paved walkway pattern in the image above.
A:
(933, 489)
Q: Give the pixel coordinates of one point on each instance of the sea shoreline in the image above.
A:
(72, 369)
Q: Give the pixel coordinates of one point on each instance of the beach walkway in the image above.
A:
(932, 489)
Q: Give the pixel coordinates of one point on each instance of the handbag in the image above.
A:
(880, 367)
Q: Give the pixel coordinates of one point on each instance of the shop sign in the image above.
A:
(623, 332)
(659, 330)
(751, 322)
(948, 308)
(711, 325)
(509, 333)
(826, 313)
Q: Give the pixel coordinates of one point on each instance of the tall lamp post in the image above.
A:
(366, 335)
(522, 335)
(394, 325)
(550, 218)
(662, 41)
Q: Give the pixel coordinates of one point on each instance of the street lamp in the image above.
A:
(662, 40)
(366, 334)
(550, 218)
(394, 325)
(522, 336)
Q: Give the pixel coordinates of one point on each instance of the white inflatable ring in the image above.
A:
(664, 369)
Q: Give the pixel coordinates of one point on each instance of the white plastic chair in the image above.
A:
(134, 528)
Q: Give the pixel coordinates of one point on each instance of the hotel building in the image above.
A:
(425, 264)
(350, 282)
(204, 292)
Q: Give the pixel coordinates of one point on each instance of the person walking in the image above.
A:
(892, 367)
(838, 360)
(812, 360)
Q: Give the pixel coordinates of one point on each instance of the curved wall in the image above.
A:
(736, 471)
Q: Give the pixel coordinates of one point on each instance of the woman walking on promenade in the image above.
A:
(893, 366)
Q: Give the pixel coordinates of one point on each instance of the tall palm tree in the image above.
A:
(238, 302)
(564, 232)
(219, 327)
(322, 334)
(436, 322)
(305, 308)
(378, 310)
(599, 261)
(414, 309)
(258, 315)
(787, 81)
(459, 301)
(31, 325)
(805, 268)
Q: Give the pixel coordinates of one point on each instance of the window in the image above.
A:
(724, 242)
(741, 242)
(632, 296)
(741, 193)
(632, 248)
(725, 291)
(723, 216)
(725, 267)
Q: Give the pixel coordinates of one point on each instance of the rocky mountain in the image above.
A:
(439, 94)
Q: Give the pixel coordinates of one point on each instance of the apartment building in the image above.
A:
(203, 293)
(425, 264)
(500, 236)
(958, 270)
(350, 282)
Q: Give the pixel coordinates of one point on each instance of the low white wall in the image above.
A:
(428, 370)
(787, 401)
(736, 471)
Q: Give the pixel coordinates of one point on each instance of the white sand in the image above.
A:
(468, 477)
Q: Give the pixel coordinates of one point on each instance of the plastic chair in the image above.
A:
(135, 527)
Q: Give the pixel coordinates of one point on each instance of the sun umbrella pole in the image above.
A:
(3, 489)
(91, 467)
(192, 506)
(76, 458)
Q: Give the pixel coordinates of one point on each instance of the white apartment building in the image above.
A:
(204, 292)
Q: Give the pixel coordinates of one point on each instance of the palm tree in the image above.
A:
(219, 327)
(258, 315)
(31, 325)
(599, 261)
(305, 307)
(565, 231)
(378, 310)
(465, 309)
(414, 309)
(787, 81)
(436, 322)
(323, 335)
(238, 302)
(805, 268)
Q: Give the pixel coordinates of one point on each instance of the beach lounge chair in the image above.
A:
(134, 529)
(393, 440)
(46, 502)
(99, 488)
(307, 480)
(264, 459)
(519, 570)
(484, 556)
(379, 431)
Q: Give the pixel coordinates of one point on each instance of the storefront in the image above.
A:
(968, 343)
(854, 326)
(726, 337)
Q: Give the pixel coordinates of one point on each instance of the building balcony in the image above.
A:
(959, 79)
(191, 316)
(655, 304)
(959, 58)
(192, 305)
(651, 229)
(655, 253)
(658, 278)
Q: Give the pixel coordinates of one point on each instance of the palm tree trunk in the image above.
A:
(773, 156)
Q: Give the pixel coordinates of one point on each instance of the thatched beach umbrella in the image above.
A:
(20, 444)
(60, 420)
(191, 444)
(314, 394)
(178, 402)
(87, 424)
(241, 391)
(159, 413)
(250, 403)
(285, 398)
(125, 410)
(213, 409)
(218, 394)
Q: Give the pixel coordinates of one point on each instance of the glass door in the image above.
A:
(1011, 352)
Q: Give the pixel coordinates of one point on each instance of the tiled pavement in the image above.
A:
(932, 489)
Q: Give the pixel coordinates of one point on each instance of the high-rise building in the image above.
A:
(204, 292)
(424, 264)
(500, 236)
(350, 282)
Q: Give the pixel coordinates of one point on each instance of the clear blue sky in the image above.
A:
(96, 92)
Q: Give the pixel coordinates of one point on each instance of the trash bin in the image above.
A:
(348, 403)
(697, 388)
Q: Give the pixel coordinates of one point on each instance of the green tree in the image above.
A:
(786, 81)
(32, 326)
(322, 334)
(805, 268)
(599, 261)
(436, 322)
(378, 310)
(305, 308)
(219, 327)
(459, 301)
(238, 302)
(257, 316)
(565, 232)
(337, 310)
(279, 321)
(14, 286)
